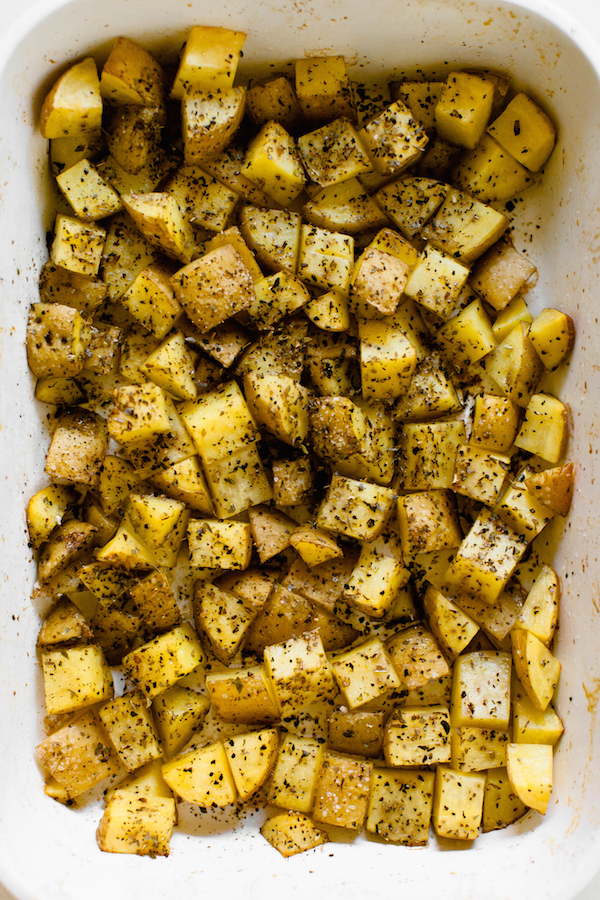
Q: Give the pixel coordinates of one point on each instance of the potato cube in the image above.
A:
(522, 510)
(153, 517)
(89, 194)
(322, 585)
(464, 227)
(364, 672)
(185, 481)
(344, 206)
(209, 120)
(77, 245)
(238, 482)
(219, 545)
(273, 100)
(500, 274)
(495, 423)
(214, 287)
(155, 600)
(323, 87)
(294, 778)
(464, 108)
(137, 824)
(481, 690)
(379, 279)
(377, 577)
(536, 667)
(161, 222)
(293, 481)
(531, 725)
(314, 545)
(131, 730)
(78, 755)
(276, 296)
(416, 656)
(452, 628)
(477, 749)
(400, 806)
(487, 557)
(490, 173)
(299, 671)
(394, 139)
(554, 487)
(158, 664)
(222, 617)
(64, 624)
(544, 429)
(515, 366)
(342, 792)
(387, 359)
(131, 75)
(45, 511)
(292, 833)
(457, 803)
(356, 509)
(333, 153)
(356, 731)
(209, 60)
(151, 301)
(125, 550)
(251, 758)
(501, 806)
(74, 678)
(411, 202)
(73, 106)
(540, 610)
(428, 454)
(525, 131)
(56, 340)
(479, 474)
(467, 337)
(243, 695)
(202, 776)
(325, 258)
(138, 413)
(436, 281)
(280, 403)
(272, 162)
(428, 521)
(178, 713)
(273, 235)
(417, 736)
(529, 768)
(515, 313)
(552, 334)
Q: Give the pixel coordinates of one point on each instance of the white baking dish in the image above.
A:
(48, 852)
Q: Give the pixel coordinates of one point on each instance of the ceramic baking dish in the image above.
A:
(49, 852)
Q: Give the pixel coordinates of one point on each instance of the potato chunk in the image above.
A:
(74, 105)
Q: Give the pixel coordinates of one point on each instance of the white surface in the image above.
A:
(563, 226)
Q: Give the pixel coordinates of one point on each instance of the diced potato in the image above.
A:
(428, 521)
(272, 162)
(237, 482)
(271, 532)
(495, 423)
(323, 87)
(333, 153)
(127, 253)
(314, 545)
(226, 168)
(394, 139)
(299, 671)
(552, 333)
(553, 487)
(215, 544)
(515, 366)
(155, 600)
(457, 803)
(387, 359)
(544, 429)
(411, 202)
(204, 200)
(202, 776)
(381, 272)
(45, 511)
(131, 730)
(400, 806)
(342, 791)
(131, 75)
(356, 509)
(73, 106)
(467, 337)
(479, 474)
(125, 550)
(501, 806)
(436, 281)
(486, 558)
(251, 758)
(529, 768)
(500, 274)
(292, 833)
(89, 195)
(277, 296)
(364, 672)
(464, 108)
(274, 235)
(64, 546)
(77, 245)
(243, 695)
(481, 690)
(273, 100)
(171, 367)
(522, 510)
(536, 667)
(222, 617)
(294, 778)
(450, 625)
(344, 206)
(158, 664)
(214, 287)
(490, 173)
(464, 227)
(209, 59)
(78, 755)
(209, 121)
(356, 731)
(329, 311)
(135, 824)
(138, 413)
(64, 624)
(178, 713)
(58, 285)
(430, 394)
(416, 656)
(161, 222)
(75, 678)
(429, 452)
(478, 749)
(280, 403)
(525, 131)
(57, 340)
(417, 736)
(77, 448)
(325, 258)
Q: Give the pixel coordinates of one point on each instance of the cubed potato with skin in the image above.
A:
(137, 824)
(464, 227)
(355, 508)
(489, 173)
(127, 551)
(161, 222)
(495, 423)
(467, 337)
(345, 206)
(131, 730)
(222, 617)
(126, 253)
(155, 600)
(478, 749)
(515, 366)
(481, 690)
(73, 106)
(416, 656)
(479, 474)
(400, 806)
(209, 60)
(59, 391)
(89, 195)
(150, 300)
(451, 626)
(342, 792)
(75, 678)
(530, 772)
(158, 664)
(64, 624)
(411, 202)
(214, 287)
(314, 545)
(323, 87)
(387, 359)
(58, 285)
(501, 806)
(325, 258)
(553, 487)
(271, 531)
(214, 544)
(394, 139)
(292, 833)
(237, 482)
(337, 426)
(77, 448)
(77, 245)
(501, 274)
(436, 281)
(429, 453)
(131, 75)
(251, 758)
(333, 153)
(273, 235)
(273, 163)
(293, 481)
(357, 732)
(243, 695)
(66, 543)
(45, 511)
(522, 510)
(202, 776)
(185, 481)
(171, 367)
(294, 778)
(364, 672)
(299, 671)
(138, 413)
(536, 667)
(280, 403)
(209, 121)
(377, 577)
(525, 130)
(79, 755)
(417, 736)
(544, 429)
(273, 100)
(531, 725)
(379, 279)
(458, 803)
(178, 713)
(276, 296)
(552, 333)
(515, 312)
(428, 521)
(464, 108)
(430, 394)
